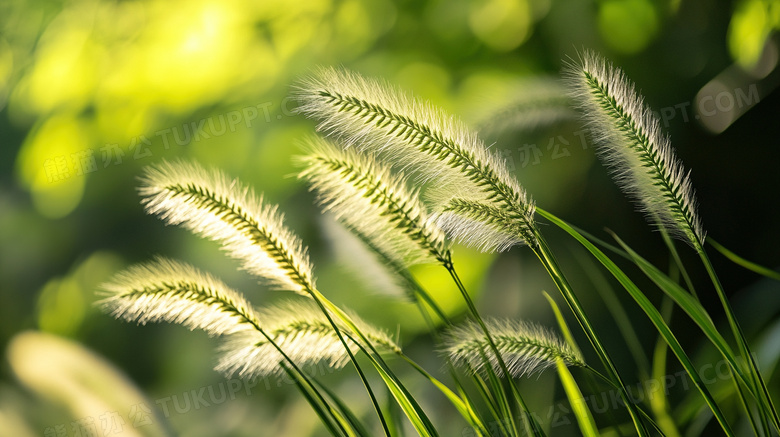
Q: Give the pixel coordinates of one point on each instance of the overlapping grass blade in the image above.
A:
(346, 416)
(328, 416)
(578, 405)
(696, 312)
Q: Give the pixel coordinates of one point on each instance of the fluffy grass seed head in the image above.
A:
(482, 225)
(170, 291)
(633, 146)
(376, 204)
(379, 119)
(527, 105)
(301, 330)
(210, 204)
(373, 269)
(526, 348)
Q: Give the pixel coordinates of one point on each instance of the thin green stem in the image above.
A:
(302, 375)
(736, 259)
(737, 388)
(420, 292)
(352, 358)
(676, 257)
(644, 303)
(410, 406)
(622, 319)
(547, 258)
(611, 383)
(529, 419)
(761, 391)
(684, 273)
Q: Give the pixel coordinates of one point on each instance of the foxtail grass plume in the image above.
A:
(632, 145)
(374, 270)
(305, 335)
(376, 204)
(216, 207)
(379, 119)
(528, 105)
(170, 291)
(526, 348)
(481, 225)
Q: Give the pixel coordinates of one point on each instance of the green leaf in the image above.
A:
(578, 404)
(655, 316)
(323, 411)
(736, 259)
(562, 323)
(406, 401)
(344, 415)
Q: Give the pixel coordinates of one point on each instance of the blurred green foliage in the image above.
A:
(91, 90)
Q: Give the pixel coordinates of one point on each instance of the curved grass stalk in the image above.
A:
(615, 308)
(529, 421)
(374, 202)
(644, 164)
(167, 290)
(208, 204)
(632, 145)
(407, 402)
(736, 259)
(548, 260)
(656, 318)
(383, 120)
(766, 405)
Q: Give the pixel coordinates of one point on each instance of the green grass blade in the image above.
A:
(487, 395)
(615, 308)
(547, 258)
(565, 331)
(347, 417)
(659, 403)
(653, 314)
(766, 406)
(578, 405)
(505, 419)
(406, 401)
(325, 413)
(322, 302)
(736, 259)
(463, 408)
(678, 262)
(753, 381)
(693, 308)
(531, 425)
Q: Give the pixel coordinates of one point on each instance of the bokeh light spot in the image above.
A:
(53, 164)
(627, 26)
(501, 24)
(748, 30)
